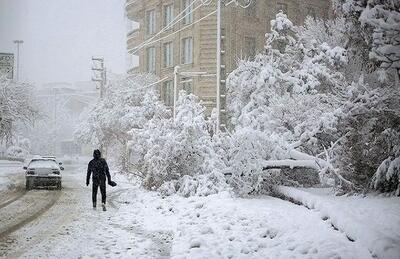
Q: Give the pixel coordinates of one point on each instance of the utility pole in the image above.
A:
(243, 4)
(99, 74)
(218, 97)
(18, 42)
(55, 121)
(176, 83)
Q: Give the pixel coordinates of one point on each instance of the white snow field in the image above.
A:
(371, 221)
(143, 224)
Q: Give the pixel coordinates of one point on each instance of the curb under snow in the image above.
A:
(381, 242)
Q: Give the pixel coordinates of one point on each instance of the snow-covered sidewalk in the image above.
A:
(372, 221)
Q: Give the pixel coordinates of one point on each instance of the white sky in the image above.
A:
(60, 37)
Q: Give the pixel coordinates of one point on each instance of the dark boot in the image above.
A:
(104, 206)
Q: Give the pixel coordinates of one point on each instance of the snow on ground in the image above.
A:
(143, 224)
(219, 226)
(8, 169)
(372, 221)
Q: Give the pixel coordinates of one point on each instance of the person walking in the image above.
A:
(98, 168)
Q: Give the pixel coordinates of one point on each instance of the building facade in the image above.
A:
(191, 43)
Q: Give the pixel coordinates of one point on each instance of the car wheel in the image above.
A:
(28, 185)
(59, 185)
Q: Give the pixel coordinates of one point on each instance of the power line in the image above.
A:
(171, 24)
(175, 32)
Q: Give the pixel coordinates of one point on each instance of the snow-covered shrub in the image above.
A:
(16, 152)
(387, 176)
(176, 155)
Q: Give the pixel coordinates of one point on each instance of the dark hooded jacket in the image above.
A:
(98, 168)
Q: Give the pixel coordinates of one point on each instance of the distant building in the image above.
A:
(192, 45)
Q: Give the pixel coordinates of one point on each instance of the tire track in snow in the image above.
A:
(12, 199)
(9, 226)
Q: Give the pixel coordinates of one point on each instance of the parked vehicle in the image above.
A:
(43, 172)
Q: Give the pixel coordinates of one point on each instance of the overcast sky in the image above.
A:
(60, 37)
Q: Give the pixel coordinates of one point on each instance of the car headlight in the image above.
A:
(30, 172)
(56, 172)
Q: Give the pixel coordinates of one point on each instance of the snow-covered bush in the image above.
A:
(16, 152)
(176, 155)
(387, 176)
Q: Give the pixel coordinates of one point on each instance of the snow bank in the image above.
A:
(372, 221)
(8, 171)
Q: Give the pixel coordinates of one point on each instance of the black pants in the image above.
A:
(96, 184)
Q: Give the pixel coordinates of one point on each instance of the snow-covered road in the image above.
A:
(142, 224)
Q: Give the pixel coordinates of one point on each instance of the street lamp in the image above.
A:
(18, 42)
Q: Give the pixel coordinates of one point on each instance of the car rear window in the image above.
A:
(48, 163)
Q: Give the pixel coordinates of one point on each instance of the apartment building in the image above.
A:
(191, 43)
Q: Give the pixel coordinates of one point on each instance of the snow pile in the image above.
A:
(373, 222)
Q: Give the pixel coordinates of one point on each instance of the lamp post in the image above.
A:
(18, 42)
(243, 4)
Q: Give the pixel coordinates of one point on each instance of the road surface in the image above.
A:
(37, 223)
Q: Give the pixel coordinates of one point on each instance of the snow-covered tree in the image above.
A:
(176, 155)
(375, 29)
(128, 103)
(369, 123)
(290, 96)
(17, 105)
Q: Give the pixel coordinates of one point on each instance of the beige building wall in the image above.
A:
(243, 36)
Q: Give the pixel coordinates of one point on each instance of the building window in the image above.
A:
(187, 50)
(151, 59)
(251, 10)
(168, 54)
(250, 46)
(310, 11)
(187, 6)
(187, 84)
(168, 93)
(282, 7)
(168, 14)
(150, 22)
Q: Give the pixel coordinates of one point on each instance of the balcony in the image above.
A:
(133, 39)
(133, 9)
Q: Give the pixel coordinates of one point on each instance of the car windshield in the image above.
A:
(43, 163)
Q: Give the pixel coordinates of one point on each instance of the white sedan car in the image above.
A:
(43, 172)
